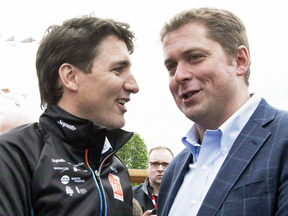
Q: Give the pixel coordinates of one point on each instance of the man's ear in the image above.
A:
(242, 60)
(67, 74)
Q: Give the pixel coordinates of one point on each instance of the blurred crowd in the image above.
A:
(13, 111)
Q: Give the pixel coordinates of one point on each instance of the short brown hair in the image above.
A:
(76, 42)
(222, 26)
(159, 148)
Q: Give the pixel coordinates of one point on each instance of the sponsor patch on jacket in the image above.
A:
(116, 185)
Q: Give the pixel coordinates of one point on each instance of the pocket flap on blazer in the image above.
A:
(251, 190)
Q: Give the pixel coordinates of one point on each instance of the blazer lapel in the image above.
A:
(177, 177)
(243, 150)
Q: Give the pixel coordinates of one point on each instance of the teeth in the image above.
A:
(186, 96)
(122, 102)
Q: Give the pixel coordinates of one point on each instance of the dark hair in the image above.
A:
(76, 42)
(222, 26)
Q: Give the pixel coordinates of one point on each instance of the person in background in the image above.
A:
(236, 156)
(65, 164)
(146, 194)
(137, 209)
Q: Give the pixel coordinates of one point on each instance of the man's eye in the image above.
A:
(195, 57)
(171, 68)
(119, 70)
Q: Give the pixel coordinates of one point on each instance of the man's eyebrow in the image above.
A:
(168, 61)
(124, 63)
(185, 53)
(159, 162)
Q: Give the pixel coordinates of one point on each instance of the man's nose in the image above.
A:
(182, 73)
(130, 84)
(161, 168)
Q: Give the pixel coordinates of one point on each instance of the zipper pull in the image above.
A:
(97, 174)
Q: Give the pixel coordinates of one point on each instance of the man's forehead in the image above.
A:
(112, 43)
(113, 51)
(160, 154)
(187, 30)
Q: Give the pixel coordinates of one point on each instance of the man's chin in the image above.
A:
(116, 125)
(158, 179)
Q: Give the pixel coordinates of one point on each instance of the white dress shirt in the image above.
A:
(208, 158)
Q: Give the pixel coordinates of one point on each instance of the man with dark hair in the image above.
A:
(65, 164)
(147, 193)
(236, 156)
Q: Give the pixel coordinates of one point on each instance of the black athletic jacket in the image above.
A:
(55, 167)
(143, 194)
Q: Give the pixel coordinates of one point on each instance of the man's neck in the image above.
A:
(214, 124)
(155, 188)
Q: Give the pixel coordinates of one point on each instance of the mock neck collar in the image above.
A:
(78, 131)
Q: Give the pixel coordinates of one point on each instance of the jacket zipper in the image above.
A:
(97, 180)
(103, 191)
(98, 173)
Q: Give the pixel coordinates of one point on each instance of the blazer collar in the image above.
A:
(242, 152)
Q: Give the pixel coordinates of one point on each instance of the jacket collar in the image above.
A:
(147, 189)
(81, 132)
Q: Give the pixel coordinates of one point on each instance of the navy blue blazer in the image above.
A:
(253, 179)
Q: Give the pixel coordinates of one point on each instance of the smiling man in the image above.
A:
(236, 156)
(65, 164)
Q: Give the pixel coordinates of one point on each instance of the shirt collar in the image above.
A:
(106, 146)
(234, 125)
(230, 129)
(191, 140)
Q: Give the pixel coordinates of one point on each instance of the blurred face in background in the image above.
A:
(158, 161)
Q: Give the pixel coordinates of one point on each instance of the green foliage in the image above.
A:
(134, 153)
